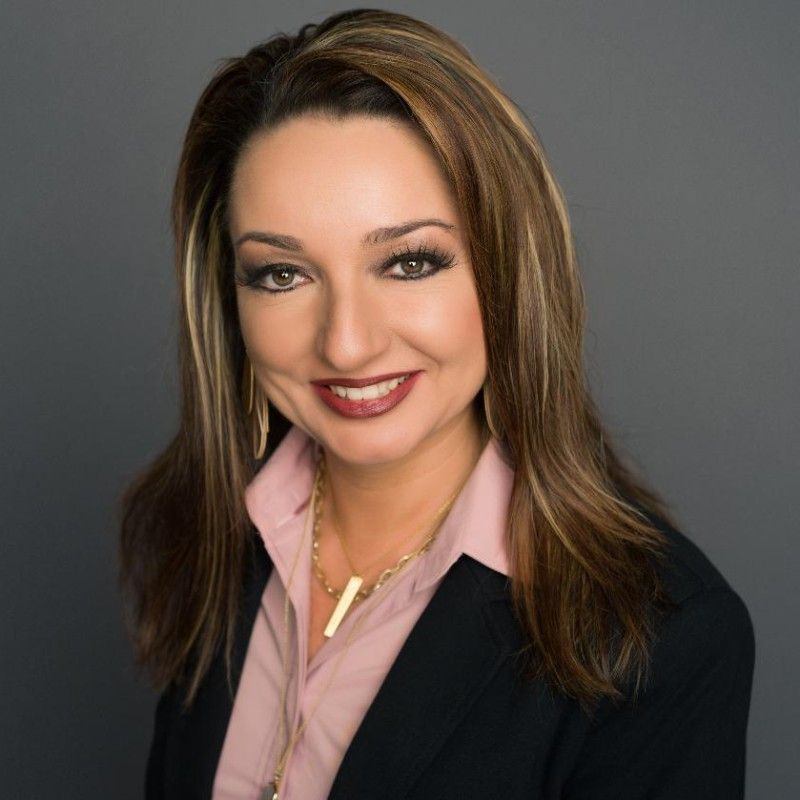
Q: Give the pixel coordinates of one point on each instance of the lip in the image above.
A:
(357, 383)
(366, 408)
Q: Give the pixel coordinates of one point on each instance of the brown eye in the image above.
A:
(283, 276)
(272, 278)
(411, 266)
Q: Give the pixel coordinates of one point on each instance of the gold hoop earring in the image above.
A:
(487, 412)
(258, 400)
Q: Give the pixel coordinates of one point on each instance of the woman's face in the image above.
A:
(325, 294)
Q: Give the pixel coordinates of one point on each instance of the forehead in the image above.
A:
(319, 178)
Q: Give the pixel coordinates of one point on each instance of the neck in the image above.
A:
(373, 505)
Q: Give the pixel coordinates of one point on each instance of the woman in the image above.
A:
(391, 551)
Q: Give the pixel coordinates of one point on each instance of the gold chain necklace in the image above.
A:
(353, 593)
(270, 791)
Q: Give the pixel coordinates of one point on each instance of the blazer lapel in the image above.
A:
(452, 652)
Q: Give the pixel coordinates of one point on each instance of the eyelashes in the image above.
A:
(425, 261)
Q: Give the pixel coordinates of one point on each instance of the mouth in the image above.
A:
(370, 391)
(365, 397)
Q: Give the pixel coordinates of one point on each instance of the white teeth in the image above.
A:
(368, 392)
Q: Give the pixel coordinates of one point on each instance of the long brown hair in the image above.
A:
(582, 538)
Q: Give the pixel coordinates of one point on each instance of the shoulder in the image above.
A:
(711, 617)
(709, 628)
(687, 569)
(682, 733)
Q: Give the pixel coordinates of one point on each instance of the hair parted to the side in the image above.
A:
(584, 548)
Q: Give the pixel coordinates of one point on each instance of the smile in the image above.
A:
(366, 401)
(368, 392)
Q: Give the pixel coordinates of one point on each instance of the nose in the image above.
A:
(353, 330)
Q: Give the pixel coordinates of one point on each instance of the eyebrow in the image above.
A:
(378, 236)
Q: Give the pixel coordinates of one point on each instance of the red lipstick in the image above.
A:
(364, 408)
(357, 383)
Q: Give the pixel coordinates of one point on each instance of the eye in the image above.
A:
(282, 277)
(412, 263)
(273, 278)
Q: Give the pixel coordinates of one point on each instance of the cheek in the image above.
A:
(271, 332)
(448, 326)
(469, 327)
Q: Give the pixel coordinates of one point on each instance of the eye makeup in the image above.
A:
(267, 277)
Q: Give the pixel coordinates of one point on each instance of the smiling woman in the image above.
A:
(335, 305)
(391, 550)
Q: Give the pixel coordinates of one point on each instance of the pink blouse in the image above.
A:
(276, 501)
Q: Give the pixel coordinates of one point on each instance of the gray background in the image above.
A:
(673, 129)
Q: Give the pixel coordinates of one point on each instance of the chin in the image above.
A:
(368, 447)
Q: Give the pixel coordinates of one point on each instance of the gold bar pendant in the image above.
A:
(345, 601)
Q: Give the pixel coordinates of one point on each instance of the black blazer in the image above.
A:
(450, 722)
